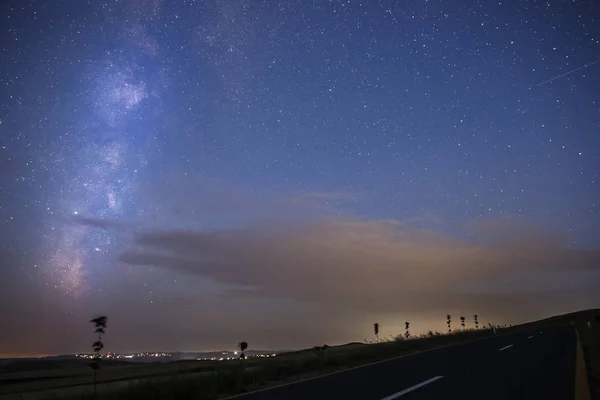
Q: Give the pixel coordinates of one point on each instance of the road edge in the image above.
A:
(582, 385)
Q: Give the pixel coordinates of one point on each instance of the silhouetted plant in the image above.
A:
(462, 322)
(406, 326)
(320, 350)
(242, 346)
(99, 329)
(430, 333)
(448, 322)
(376, 330)
(476, 321)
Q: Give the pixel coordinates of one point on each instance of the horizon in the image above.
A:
(469, 325)
(250, 349)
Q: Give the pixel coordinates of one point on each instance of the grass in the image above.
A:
(210, 380)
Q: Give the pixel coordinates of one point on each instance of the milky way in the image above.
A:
(109, 152)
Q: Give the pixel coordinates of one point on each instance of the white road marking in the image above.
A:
(529, 337)
(410, 389)
(506, 347)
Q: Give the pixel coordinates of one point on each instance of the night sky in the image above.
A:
(289, 172)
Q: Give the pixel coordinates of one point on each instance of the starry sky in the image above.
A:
(289, 172)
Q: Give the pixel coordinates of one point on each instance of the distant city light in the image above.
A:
(133, 356)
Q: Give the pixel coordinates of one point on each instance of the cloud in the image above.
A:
(379, 265)
(332, 196)
(101, 223)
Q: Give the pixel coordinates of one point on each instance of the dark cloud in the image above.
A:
(333, 196)
(102, 223)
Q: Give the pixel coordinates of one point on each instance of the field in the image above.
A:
(34, 375)
(211, 379)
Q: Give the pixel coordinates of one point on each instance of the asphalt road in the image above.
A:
(516, 366)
